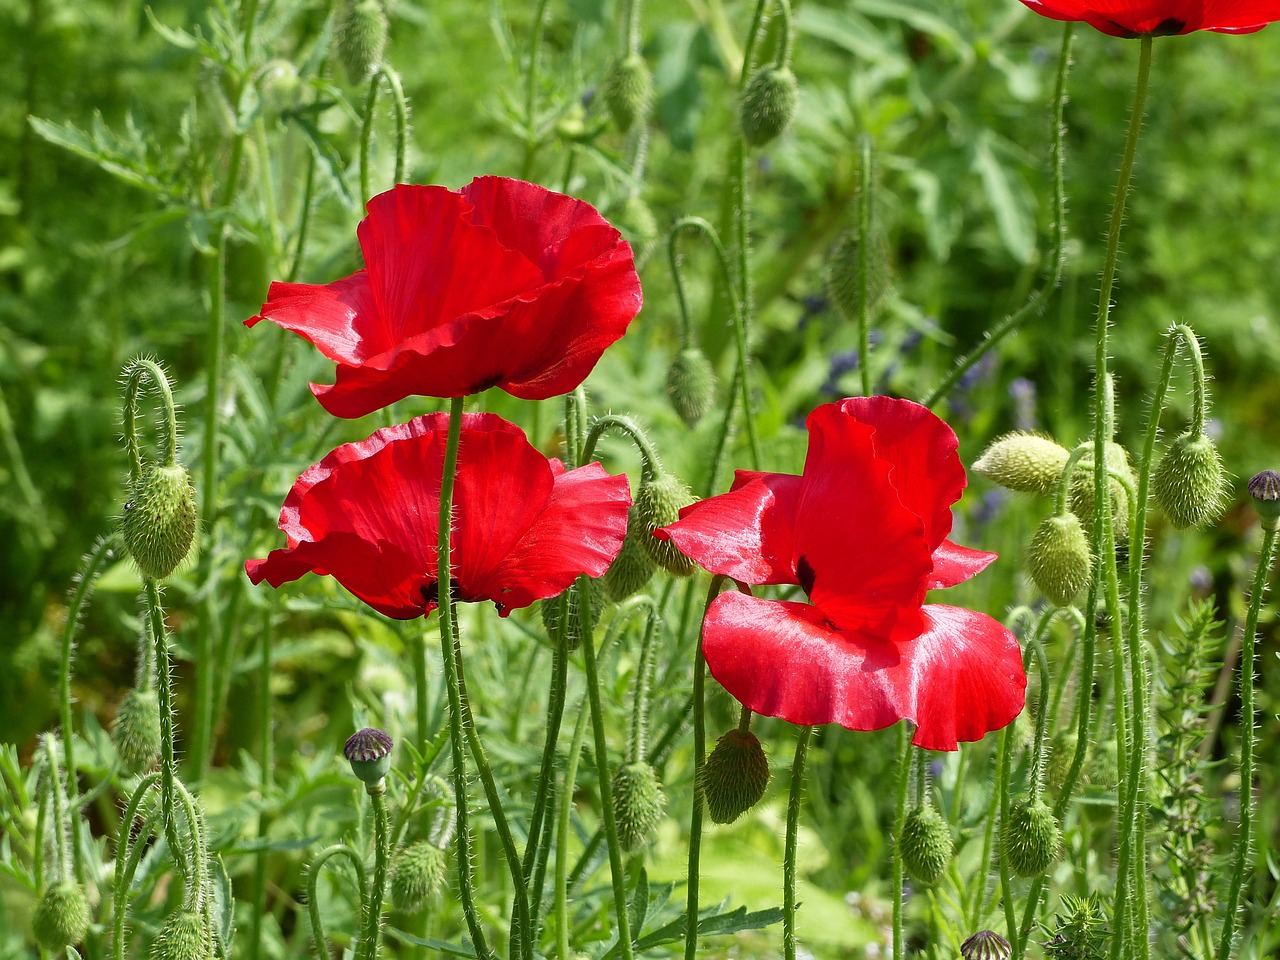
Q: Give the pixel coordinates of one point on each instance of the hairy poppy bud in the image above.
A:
(369, 753)
(1030, 837)
(136, 732)
(926, 844)
(1082, 489)
(159, 522)
(842, 274)
(418, 871)
(628, 91)
(1189, 482)
(1024, 462)
(632, 569)
(638, 803)
(549, 610)
(734, 777)
(1264, 490)
(1059, 559)
(658, 503)
(182, 938)
(362, 38)
(61, 918)
(986, 945)
(691, 385)
(768, 104)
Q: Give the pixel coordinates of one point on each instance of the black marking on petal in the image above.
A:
(805, 574)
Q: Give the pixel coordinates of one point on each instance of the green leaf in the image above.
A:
(224, 904)
(444, 946)
(850, 32)
(328, 160)
(1009, 198)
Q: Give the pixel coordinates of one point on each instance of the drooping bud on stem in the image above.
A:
(183, 937)
(628, 91)
(1023, 461)
(1059, 559)
(1189, 483)
(691, 385)
(926, 844)
(734, 776)
(61, 917)
(362, 38)
(768, 105)
(638, 803)
(1030, 837)
(658, 503)
(417, 872)
(632, 569)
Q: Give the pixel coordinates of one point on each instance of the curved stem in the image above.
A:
(128, 855)
(649, 462)
(138, 371)
(318, 944)
(794, 801)
(1248, 721)
(1035, 777)
(401, 110)
(784, 34)
(381, 857)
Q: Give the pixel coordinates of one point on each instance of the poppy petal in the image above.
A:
(953, 564)
(746, 533)
(330, 315)
(960, 679)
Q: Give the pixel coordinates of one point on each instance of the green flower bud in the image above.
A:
(1081, 490)
(159, 523)
(61, 918)
(691, 385)
(369, 753)
(926, 845)
(734, 777)
(362, 38)
(1030, 838)
(1264, 490)
(417, 872)
(638, 803)
(986, 945)
(628, 91)
(658, 503)
(183, 937)
(629, 573)
(1102, 768)
(1059, 559)
(136, 732)
(768, 105)
(1190, 483)
(1024, 462)
(842, 274)
(549, 610)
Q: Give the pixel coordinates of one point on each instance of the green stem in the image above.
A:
(793, 833)
(1248, 721)
(562, 834)
(129, 852)
(1006, 882)
(135, 374)
(304, 220)
(401, 110)
(531, 91)
(643, 681)
(899, 819)
(59, 825)
(318, 944)
(649, 462)
(381, 857)
(864, 238)
(266, 763)
(164, 693)
(546, 773)
(456, 719)
(366, 132)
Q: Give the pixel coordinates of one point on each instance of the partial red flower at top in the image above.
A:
(368, 515)
(502, 283)
(863, 531)
(1162, 18)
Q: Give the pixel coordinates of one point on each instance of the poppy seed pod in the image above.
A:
(1189, 483)
(1264, 490)
(1025, 462)
(768, 105)
(628, 91)
(734, 776)
(418, 871)
(1059, 559)
(926, 844)
(638, 803)
(61, 918)
(633, 568)
(182, 938)
(159, 522)
(369, 753)
(136, 732)
(362, 38)
(842, 273)
(986, 945)
(691, 385)
(1030, 838)
(658, 503)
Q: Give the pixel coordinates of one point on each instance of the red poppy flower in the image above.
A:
(368, 515)
(1162, 18)
(864, 532)
(502, 283)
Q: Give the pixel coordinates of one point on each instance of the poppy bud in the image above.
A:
(734, 777)
(1024, 462)
(986, 945)
(136, 732)
(768, 104)
(1061, 754)
(1059, 559)
(638, 803)
(369, 753)
(159, 522)
(182, 938)
(1102, 767)
(1264, 490)
(926, 844)
(691, 385)
(629, 573)
(1030, 838)
(1188, 484)
(362, 38)
(1082, 489)
(658, 503)
(842, 274)
(61, 918)
(549, 610)
(628, 91)
(418, 871)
